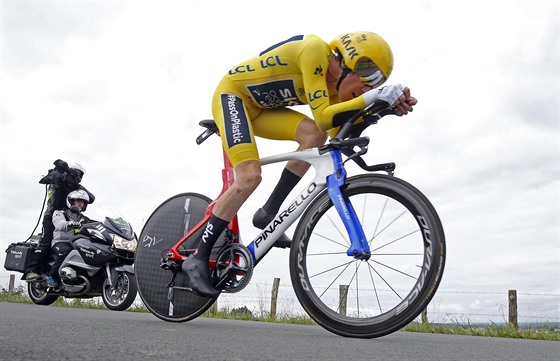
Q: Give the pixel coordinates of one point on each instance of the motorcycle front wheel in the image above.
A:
(38, 293)
(122, 295)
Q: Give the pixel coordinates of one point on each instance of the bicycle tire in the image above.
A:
(166, 225)
(392, 287)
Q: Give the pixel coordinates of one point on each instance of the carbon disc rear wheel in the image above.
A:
(165, 227)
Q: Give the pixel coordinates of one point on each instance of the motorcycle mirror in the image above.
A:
(75, 209)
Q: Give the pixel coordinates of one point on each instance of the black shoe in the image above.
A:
(199, 278)
(261, 219)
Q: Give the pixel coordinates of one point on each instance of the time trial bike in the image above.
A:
(367, 254)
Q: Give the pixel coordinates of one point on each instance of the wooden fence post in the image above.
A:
(343, 299)
(274, 298)
(425, 315)
(512, 296)
(11, 284)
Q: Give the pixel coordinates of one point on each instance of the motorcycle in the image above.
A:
(100, 264)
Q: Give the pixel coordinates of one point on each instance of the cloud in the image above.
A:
(35, 34)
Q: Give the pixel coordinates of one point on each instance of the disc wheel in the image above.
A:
(166, 295)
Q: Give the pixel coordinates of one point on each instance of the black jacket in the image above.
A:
(61, 183)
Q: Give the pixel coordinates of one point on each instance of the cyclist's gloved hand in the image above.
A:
(388, 93)
(397, 96)
(391, 93)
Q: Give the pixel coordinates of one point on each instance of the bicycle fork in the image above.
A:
(359, 247)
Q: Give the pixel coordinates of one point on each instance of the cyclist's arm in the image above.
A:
(324, 111)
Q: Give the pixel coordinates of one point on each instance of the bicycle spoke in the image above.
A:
(331, 269)
(326, 254)
(354, 274)
(330, 239)
(386, 227)
(393, 269)
(395, 240)
(379, 219)
(335, 279)
(338, 230)
(375, 290)
(385, 281)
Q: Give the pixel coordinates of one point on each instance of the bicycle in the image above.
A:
(350, 284)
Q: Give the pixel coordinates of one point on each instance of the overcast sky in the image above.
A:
(119, 87)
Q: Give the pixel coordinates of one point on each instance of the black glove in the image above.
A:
(73, 224)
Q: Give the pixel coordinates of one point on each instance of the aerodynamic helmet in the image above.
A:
(366, 54)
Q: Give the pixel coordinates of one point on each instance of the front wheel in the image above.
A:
(122, 294)
(369, 298)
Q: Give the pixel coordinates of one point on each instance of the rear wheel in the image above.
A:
(165, 291)
(376, 296)
(37, 291)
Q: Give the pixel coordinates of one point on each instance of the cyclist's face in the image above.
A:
(351, 87)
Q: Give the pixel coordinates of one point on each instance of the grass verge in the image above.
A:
(543, 332)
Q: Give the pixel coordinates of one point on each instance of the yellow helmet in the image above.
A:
(367, 54)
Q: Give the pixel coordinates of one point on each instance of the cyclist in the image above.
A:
(253, 98)
(62, 179)
(65, 223)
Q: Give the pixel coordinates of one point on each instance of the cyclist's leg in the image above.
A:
(285, 124)
(233, 121)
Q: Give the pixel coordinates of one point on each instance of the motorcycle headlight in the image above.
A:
(124, 244)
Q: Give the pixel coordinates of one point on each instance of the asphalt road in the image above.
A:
(31, 332)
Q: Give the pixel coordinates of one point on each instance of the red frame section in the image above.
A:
(228, 177)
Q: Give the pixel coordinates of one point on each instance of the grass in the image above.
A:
(543, 332)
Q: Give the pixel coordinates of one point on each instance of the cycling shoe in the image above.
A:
(199, 277)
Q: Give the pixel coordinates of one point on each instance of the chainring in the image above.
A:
(234, 268)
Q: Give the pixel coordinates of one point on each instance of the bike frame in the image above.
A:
(330, 174)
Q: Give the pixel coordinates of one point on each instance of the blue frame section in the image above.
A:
(359, 246)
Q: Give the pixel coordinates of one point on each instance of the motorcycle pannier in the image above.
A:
(18, 256)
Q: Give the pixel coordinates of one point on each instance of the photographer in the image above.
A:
(61, 180)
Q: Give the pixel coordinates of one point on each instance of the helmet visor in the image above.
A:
(368, 72)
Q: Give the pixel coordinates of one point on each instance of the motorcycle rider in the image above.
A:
(66, 223)
(62, 179)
